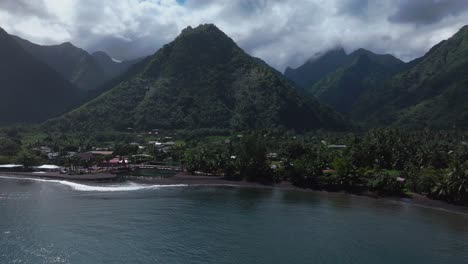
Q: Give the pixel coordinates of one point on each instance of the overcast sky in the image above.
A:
(281, 32)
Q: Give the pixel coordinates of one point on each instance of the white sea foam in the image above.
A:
(125, 187)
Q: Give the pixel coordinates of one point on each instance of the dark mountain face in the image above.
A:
(430, 93)
(339, 79)
(314, 70)
(345, 86)
(202, 80)
(85, 71)
(111, 67)
(30, 90)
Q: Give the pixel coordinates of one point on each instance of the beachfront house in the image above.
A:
(117, 162)
(11, 167)
(48, 168)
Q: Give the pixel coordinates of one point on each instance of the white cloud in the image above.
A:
(282, 32)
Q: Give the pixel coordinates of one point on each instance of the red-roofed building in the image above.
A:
(116, 163)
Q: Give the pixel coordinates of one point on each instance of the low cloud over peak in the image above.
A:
(281, 32)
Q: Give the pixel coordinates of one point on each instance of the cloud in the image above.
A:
(281, 32)
(427, 11)
(24, 7)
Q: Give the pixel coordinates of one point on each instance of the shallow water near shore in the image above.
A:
(44, 221)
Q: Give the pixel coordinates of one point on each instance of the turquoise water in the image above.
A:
(62, 222)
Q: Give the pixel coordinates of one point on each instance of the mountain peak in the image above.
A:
(464, 29)
(203, 29)
(67, 45)
(196, 47)
(331, 53)
(315, 69)
(202, 79)
(4, 35)
(101, 55)
(362, 51)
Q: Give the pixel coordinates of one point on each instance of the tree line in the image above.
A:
(381, 162)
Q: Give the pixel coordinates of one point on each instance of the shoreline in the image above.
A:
(197, 180)
(98, 177)
(414, 199)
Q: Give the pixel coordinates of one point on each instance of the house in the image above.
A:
(49, 168)
(94, 154)
(272, 155)
(11, 167)
(336, 146)
(138, 158)
(53, 155)
(156, 144)
(102, 153)
(116, 162)
(45, 150)
(101, 149)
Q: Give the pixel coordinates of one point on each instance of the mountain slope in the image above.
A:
(30, 90)
(111, 67)
(85, 71)
(202, 80)
(344, 87)
(314, 70)
(429, 94)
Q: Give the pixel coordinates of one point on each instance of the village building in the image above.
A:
(48, 168)
(335, 146)
(115, 163)
(90, 155)
(11, 167)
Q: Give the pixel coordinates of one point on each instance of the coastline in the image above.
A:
(98, 177)
(414, 199)
(197, 180)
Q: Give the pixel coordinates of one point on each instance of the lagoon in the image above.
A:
(62, 222)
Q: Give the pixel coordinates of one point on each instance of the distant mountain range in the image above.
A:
(339, 79)
(202, 80)
(41, 82)
(86, 71)
(380, 90)
(431, 93)
(30, 90)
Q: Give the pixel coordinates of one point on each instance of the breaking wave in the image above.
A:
(125, 187)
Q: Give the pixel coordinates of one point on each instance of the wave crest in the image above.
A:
(126, 187)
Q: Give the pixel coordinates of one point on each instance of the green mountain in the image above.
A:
(202, 80)
(30, 90)
(84, 70)
(315, 69)
(430, 94)
(363, 71)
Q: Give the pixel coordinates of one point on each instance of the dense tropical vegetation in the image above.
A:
(201, 80)
(383, 162)
(380, 90)
(218, 111)
(340, 80)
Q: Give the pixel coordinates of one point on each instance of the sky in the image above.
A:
(281, 32)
